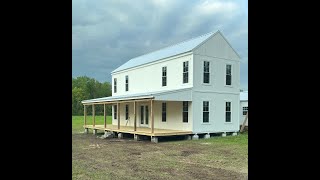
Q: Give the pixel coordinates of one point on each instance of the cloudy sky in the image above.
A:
(106, 33)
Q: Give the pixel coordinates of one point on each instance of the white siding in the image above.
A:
(148, 78)
(242, 117)
(174, 116)
(217, 112)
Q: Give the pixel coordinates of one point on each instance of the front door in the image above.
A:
(144, 115)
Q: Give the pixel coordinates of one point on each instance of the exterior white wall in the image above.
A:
(174, 115)
(242, 117)
(217, 112)
(219, 53)
(148, 78)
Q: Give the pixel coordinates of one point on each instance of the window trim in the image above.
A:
(225, 106)
(115, 112)
(166, 110)
(126, 84)
(225, 75)
(244, 110)
(185, 72)
(115, 83)
(183, 111)
(164, 76)
(127, 112)
(206, 111)
(210, 73)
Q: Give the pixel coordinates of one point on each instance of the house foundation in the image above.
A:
(154, 139)
(224, 134)
(207, 136)
(234, 134)
(120, 135)
(86, 130)
(95, 131)
(195, 137)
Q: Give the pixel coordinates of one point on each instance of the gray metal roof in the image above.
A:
(167, 95)
(166, 52)
(244, 96)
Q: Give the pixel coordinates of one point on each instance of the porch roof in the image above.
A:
(165, 95)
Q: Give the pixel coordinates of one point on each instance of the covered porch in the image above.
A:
(120, 119)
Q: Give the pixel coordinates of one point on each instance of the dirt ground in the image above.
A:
(214, 158)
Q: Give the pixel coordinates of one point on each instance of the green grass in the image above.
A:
(78, 122)
(214, 158)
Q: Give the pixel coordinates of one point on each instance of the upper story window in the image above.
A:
(185, 111)
(127, 83)
(205, 117)
(228, 74)
(206, 72)
(164, 76)
(115, 85)
(228, 111)
(185, 71)
(244, 110)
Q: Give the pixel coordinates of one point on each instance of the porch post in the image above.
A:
(105, 117)
(118, 114)
(135, 116)
(93, 116)
(152, 119)
(85, 114)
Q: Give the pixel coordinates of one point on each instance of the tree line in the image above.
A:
(83, 88)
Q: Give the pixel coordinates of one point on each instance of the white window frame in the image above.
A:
(115, 112)
(210, 73)
(115, 84)
(187, 72)
(206, 111)
(225, 75)
(244, 110)
(125, 83)
(225, 107)
(164, 76)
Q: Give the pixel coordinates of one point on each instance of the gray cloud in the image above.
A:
(106, 34)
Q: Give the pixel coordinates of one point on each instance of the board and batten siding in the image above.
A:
(217, 112)
(148, 78)
(174, 115)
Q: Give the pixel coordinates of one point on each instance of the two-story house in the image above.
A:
(190, 88)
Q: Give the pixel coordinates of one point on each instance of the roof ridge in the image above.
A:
(173, 45)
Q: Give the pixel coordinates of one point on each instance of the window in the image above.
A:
(206, 73)
(115, 112)
(164, 76)
(244, 110)
(228, 111)
(127, 111)
(141, 114)
(127, 83)
(185, 111)
(115, 85)
(164, 112)
(205, 118)
(147, 115)
(185, 71)
(228, 74)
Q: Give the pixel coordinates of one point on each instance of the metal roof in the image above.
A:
(244, 96)
(166, 52)
(167, 95)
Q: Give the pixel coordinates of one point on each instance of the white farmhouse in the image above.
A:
(191, 88)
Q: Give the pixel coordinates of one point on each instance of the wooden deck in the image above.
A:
(140, 130)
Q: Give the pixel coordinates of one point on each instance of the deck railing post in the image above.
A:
(105, 117)
(118, 114)
(85, 114)
(135, 116)
(152, 118)
(93, 115)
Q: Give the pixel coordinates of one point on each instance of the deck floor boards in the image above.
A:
(140, 130)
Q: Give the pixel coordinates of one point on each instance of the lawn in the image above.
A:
(214, 158)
